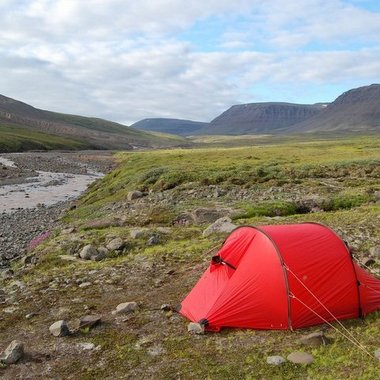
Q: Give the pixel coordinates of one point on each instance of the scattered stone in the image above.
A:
(85, 284)
(86, 346)
(59, 328)
(377, 354)
(116, 244)
(6, 274)
(299, 357)
(153, 240)
(88, 252)
(126, 307)
(30, 315)
(89, 321)
(102, 254)
(195, 328)
(206, 215)
(315, 339)
(13, 353)
(137, 233)
(132, 195)
(68, 230)
(368, 261)
(224, 225)
(156, 350)
(375, 251)
(275, 360)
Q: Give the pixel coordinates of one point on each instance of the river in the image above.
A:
(46, 189)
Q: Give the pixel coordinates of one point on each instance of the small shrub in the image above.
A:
(345, 202)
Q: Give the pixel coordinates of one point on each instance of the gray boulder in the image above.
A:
(116, 244)
(275, 360)
(137, 233)
(375, 251)
(299, 357)
(89, 321)
(13, 353)
(88, 252)
(126, 308)
(206, 215)
(377, 354)
(315, 339)
(222, 225)
(59, 328)
(195, 328)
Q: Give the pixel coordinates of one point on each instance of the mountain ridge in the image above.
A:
(93, 133)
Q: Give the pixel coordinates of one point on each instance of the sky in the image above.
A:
(126, 60)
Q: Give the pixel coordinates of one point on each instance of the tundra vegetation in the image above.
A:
(335, 182)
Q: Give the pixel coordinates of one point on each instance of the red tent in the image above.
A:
(281, 277)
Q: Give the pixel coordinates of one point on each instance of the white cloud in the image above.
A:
(123, 60)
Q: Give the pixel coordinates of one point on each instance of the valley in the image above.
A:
(150, 216)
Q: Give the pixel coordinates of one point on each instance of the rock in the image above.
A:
(315, 339)
(275, 360)
(102, 254)
(298, 357)
(6, 274)
(166, 307)
(156, 350)
(368, 261)
(132, 195)
(13, 353)
(195, 328)
(224, 225)
(126, 307)
(164, 230)
(86, 346)
(116, 244)
(137, 233)
(377, 354)
(85, 284)
(88, 252)
(375, 251)
(89, 321)
(59, 328)
(206, 215)
(153, 240)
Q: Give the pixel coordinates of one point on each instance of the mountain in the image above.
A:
(174, 126)
(357, 110)
(260, 118)
(24, 127)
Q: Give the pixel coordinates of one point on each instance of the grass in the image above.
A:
(14, 139)
(332, 182)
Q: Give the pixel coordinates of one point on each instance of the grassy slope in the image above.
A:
(14, 139)
(342, 176)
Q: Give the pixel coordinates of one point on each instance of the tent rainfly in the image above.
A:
(281, 277)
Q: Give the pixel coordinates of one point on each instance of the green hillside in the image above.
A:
(13, 139)
(76, 131)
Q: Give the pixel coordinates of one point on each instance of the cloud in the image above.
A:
(129, 60)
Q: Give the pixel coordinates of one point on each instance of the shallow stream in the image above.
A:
(46, 189)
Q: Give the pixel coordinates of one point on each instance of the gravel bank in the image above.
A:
(18, 228)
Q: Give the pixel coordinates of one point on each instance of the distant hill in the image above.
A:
(357, 110)
(24, 127)
(174, 126)
(260, 118)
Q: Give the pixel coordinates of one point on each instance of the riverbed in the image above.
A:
(37, 188)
